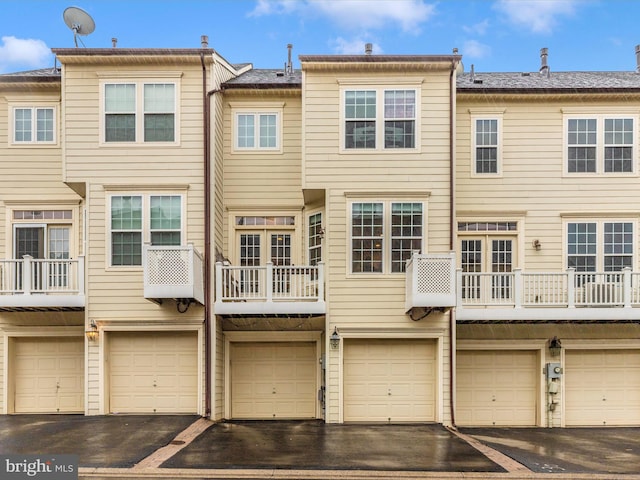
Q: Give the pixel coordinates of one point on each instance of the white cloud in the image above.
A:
(475, 49)
(353, 47)
(21, 51)
(538, 16)
(479, 28)
(364, 14)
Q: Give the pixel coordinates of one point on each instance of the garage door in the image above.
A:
(497, 388)
(153, 372)
(602, 387)
(273, 380)
(48, 375)
(389, 380)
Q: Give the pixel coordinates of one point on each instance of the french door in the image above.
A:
(489, 261)
(258, 248)
(43, 242)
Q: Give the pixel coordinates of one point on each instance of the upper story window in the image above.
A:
(384, 235)
(135, 219)
(391, 127)
(486, 145)
(257, 131)
(316, 232)
(140, 112)
(33, 125)
(599, 246)
(600, 145)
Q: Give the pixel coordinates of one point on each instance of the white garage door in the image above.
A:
(602, 387)
(389, 380)
(497, 388)
(153, 372)
(48, 375)
(273, 380)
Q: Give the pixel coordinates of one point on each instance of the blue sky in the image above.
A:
(494, 35)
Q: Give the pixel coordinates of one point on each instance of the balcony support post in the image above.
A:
(27, 273)
(517, 287)
(320, 281)
(626, 287)
(459, 289)
(80, 274)
(219, 282)
(571, 288)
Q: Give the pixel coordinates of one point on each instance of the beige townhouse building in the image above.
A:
(368, 238)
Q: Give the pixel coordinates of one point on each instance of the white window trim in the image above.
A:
(139, 109)
(473, 170)
(275, 109)
(33, 107)
(380, 118)
(600, 118)
(599, 221)
(146, 222)
(386, 233)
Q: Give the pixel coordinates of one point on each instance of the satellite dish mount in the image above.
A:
(79, 21)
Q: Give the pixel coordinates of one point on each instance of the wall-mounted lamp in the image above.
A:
(321, 232)
(536, 244)
(92, 332)
(555, 345)
(334, 340)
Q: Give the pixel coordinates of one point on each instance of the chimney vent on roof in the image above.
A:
(289, 66)
(368, 48)
(114, 42)
(204, 41)
(544, 67)
(637, 58)
(472, 73)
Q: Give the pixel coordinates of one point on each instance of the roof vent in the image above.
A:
(637, 58)
(525, 74)
(478, 81)
(368, 48)
(204, 41)
(289, 67)
(114, 42)
(544, 67)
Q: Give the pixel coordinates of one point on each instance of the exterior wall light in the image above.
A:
(334, 340)
(92, 332)
(555, 345)
(537, 245)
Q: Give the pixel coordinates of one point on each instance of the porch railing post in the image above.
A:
(269, 282)
(321, 281)
(218, 287)
(571, 287)
(626, 287)
(517, 287)
(27, 274)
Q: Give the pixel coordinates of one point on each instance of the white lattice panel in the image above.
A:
(434, 276)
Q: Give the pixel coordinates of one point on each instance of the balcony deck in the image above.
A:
(548, 296)
(173, 272)
(269, 290)
(31, 284)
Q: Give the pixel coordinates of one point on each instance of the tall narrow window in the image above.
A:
(126, 230)
(582, 246)
(120, 112)
(360, 119)
(367, 237)
(165, 220)
(22, 124)
(315, 239)
(159, 112)
(399, 118)
(618, 145)
(406, 233)
(486, 158)
(268, 131)
(618, 246)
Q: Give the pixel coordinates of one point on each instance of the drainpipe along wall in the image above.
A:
(452, 219)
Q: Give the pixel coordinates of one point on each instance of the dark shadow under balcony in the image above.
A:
(269, 290)
(41, 285)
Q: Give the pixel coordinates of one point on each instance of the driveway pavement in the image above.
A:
(191, 447)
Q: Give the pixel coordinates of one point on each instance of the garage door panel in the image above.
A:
(273, 380)
(389, 380)
(497, 388)
(153, 372)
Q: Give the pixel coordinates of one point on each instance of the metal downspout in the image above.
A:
(452, 205)
(207, 241)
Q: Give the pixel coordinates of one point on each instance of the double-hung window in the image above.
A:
(600, 245)
(384, 235)
(380, 119)
(135, 219)
(33, 125)
(140, 112)
(600, 144)
(486, 145)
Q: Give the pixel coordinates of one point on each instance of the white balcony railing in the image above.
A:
(34, 283)
(174, 272)
(566, 295)
(269, 289)
(430, 281)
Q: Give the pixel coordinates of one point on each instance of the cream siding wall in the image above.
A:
(533, 181)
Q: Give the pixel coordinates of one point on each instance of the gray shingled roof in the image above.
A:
(555, 81)
(266, 78)
(42, 72)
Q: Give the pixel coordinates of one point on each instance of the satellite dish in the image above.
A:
(79, 21)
